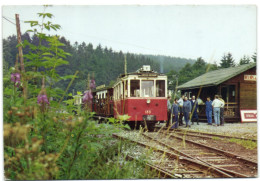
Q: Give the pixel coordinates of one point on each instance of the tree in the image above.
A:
(227, 61)
(172, 79)
(254, 57)
(244, 60)
(211, 67)
(200, 63)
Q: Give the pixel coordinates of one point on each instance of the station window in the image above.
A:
(135, 88)
(147, 88)
(160, 88)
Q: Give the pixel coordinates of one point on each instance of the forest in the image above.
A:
(105, 63)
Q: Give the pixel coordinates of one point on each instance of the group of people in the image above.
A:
(189, 110)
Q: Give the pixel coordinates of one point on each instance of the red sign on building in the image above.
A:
(250, 77)
(248, 115)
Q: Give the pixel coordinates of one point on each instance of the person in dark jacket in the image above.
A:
(194, 105)
(175, 112)
(180, 102)
(209, 110)
(169, 105)
(186, 110)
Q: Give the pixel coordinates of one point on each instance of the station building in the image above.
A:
(237, 85)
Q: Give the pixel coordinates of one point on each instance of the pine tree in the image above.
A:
(227, 61)
(200, 63)
(254, 57)
(244, 60)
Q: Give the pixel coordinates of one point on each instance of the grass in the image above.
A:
(216, 138)
(248, 144)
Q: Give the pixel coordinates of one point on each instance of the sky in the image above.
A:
(188, 31)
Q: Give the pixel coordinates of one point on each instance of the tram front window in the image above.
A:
(147, 88)
(160, 88)
(135, 88)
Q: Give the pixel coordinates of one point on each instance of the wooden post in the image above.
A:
(19, 40)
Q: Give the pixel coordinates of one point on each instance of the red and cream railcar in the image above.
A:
(142, 96)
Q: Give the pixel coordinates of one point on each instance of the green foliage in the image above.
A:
(189, 72)
(254, 57)
(244, 60)
(54, 143)
(167, 63)
(227, 61)
(216, 138)
(248, 144)
(105, 63)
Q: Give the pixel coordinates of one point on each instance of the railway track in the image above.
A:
(221, 143)
(230, 163)
(207, 135)
(175, 165)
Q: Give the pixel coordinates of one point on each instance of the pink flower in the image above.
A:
(92, 84)
(42, 99)
(15, 77)
(87, 96)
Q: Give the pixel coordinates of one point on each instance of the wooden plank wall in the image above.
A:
(248, 96)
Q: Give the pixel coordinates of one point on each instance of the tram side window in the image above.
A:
(160, 88)
(147, 88)
(135, 88)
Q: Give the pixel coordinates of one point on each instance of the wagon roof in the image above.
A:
(216, 77)
(102, 89)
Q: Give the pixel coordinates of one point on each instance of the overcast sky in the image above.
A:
(179, 31)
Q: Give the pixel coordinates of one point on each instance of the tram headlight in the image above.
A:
(148, 101)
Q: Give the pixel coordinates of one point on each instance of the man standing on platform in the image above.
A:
(221, 111)
(186, 110)
(175, 112)
(216, 104)
(180, 102)
(194, 105)
(209, 110)
(169, 106)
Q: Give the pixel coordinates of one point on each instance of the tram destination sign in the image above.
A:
(250, 77)
(248, 115)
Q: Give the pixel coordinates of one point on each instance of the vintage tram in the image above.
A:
(142, 95)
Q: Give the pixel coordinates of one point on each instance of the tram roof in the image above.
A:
(216, 77)
(143, 73)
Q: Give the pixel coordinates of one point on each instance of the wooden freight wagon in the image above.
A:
(237, 85)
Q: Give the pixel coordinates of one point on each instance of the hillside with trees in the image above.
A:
(102, 62)
(168, 63)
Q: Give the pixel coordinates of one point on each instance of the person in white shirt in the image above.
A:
(217, 104)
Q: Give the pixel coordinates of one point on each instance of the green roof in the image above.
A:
(216, 77)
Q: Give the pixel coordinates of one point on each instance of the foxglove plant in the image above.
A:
(92, 84)
(42, 99)
(16, 79)
(87, 98)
